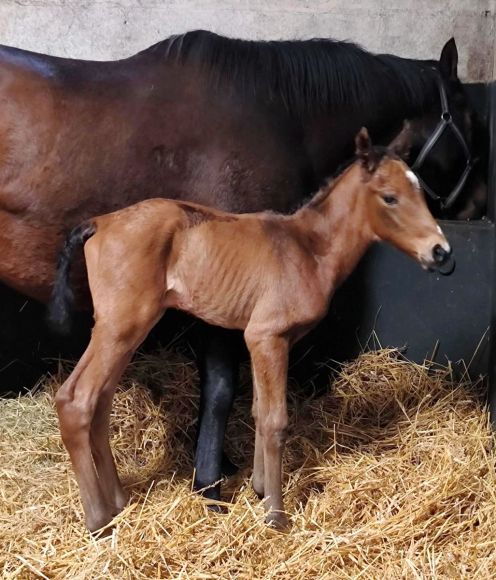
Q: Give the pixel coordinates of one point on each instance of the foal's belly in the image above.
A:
(229, 309)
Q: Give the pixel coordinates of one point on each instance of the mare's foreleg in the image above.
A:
(219, 369)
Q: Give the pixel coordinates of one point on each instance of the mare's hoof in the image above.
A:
(213, 493)
(208, 492)
(216, 508)
(228, 468)
(277, 520)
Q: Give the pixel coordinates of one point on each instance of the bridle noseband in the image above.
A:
(445, 122)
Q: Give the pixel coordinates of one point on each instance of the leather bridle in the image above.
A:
(446, 123)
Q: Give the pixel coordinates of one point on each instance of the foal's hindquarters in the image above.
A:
(127, 303)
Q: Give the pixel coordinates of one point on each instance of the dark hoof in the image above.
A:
(212, 493)
(277, 520)
(228, 468)
(216, 508)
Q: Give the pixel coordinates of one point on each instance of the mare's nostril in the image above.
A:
(440, 254)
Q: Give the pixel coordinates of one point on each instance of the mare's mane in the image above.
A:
(306, 75)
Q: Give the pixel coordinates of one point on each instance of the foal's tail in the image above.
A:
(62, 299)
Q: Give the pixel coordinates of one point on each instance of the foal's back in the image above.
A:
(223, 268)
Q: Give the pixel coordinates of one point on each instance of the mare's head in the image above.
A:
(447, 144)
(396, 210)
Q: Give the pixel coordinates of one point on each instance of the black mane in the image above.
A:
(307, 75)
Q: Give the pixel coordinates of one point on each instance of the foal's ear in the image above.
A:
(364, 150)
(401, 145)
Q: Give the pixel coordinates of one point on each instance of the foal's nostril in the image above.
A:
(440, 254)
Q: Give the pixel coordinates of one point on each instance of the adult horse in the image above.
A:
(239, 125)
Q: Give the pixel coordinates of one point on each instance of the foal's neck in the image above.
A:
(337, 224)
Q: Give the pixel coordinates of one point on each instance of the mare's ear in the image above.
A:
(401, 145)
(448, 62)
(364, 151)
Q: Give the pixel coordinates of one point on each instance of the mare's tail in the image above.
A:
(62, 299)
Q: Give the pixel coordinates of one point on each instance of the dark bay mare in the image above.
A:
(242, 126)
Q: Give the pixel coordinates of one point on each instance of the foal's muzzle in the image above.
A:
(443, 260)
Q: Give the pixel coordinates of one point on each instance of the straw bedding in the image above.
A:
(390, 475)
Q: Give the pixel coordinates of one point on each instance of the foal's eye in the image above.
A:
(390, 199)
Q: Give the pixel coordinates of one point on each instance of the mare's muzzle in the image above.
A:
(444, 262)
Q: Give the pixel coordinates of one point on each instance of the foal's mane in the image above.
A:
(307, 75)
(379, 153)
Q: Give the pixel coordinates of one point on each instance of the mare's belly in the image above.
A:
(28, 255)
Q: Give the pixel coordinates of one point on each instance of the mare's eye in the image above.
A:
(390, 199)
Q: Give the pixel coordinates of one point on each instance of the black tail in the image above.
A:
(61, 302)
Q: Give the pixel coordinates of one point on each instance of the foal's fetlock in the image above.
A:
(121, 500)
(258, 486)
(95, 522)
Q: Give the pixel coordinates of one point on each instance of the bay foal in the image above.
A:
(267, 274)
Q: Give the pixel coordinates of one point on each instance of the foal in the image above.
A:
(270, 275)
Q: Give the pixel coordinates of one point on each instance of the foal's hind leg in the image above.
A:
(84, 414)
(77, 401)
(115, 495)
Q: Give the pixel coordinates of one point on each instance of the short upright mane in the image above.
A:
(305, 75)
(379, 152)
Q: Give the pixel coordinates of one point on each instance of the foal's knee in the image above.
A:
(275, 429)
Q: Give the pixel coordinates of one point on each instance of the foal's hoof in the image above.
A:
(96, 524)
(277, 520)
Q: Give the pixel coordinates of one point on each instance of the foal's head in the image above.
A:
(396, 208)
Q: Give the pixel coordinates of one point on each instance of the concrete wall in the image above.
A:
(109, 29)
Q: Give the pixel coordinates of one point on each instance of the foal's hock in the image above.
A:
(270, 275)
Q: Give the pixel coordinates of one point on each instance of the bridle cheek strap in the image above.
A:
(445, 122)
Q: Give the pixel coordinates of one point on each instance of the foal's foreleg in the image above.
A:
(270, 366)
(258, 456)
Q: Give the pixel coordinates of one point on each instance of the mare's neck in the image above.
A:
(337, 227)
